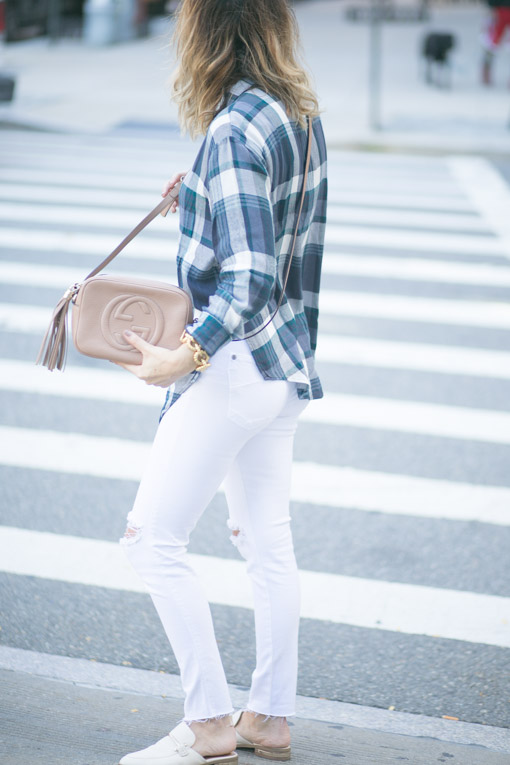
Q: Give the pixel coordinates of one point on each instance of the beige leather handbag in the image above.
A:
(105, 305)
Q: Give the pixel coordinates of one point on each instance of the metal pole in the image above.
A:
(375, 65)
(54, 20)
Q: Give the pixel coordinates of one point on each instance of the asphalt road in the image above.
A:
(413, 669)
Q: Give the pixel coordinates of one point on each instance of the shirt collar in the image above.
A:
(240, 87)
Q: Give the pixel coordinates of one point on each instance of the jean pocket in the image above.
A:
(252, 401)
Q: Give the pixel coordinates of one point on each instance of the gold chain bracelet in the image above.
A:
(200, 357)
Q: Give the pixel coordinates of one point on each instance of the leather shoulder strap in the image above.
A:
(162, 207)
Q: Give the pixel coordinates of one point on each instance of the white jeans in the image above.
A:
(236, 427)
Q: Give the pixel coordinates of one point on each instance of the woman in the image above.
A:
(232, 408)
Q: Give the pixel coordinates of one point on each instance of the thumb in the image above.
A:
(135, 340)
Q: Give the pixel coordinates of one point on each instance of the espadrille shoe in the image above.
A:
(175, 749)
(280, 753)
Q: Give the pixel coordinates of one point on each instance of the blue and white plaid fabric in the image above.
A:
(238, 210)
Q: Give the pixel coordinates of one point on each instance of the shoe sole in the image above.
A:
(222, 759)
(280, 753)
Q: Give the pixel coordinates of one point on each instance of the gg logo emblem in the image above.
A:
(137, 313)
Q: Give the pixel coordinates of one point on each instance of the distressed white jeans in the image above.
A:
(236, 427)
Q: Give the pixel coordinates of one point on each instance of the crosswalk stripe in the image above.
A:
(112, 148)
(76, 242)
(474, 313)
(399, 200)
(124, 161)
(401, 219)
(336, 232)
(357, 351)
(97, 207)
(373, 267)
(416, 269)
(58, 277)
(331, 486)
(165, 247)
(24, 318)
(336, 235)
(443, 359)
(89, 216)
(27, 318)
(331, 349)
(487, 191)
(411, 417)
(79, 195)
(388, 238)
(151, 146)
(415, 417)
(373, 604)
(399, 495)
(67, 180)
(77, 180)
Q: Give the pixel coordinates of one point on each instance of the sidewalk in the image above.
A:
(70, 87)
(55, 711)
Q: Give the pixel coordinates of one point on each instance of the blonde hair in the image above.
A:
(220, 42)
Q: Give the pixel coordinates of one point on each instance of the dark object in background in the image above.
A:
(25, 19)
(436, 49)
(6, 87)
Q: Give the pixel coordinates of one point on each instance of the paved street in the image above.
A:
(401, 490)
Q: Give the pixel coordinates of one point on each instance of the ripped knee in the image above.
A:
(132, 534)
(238, 537)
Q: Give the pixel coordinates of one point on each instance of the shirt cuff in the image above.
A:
(210, 334)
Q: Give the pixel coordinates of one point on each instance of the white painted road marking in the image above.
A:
(328, 485)
(94, 208)
(488, 192)
(481, 313)
(369, 603)
(373, 267)
(415, 417)
(16, 178)
(400, 219)
(333, 349)
(474, 313)
(445, 359)
(417, 269)
(76, 240)
(423, 241)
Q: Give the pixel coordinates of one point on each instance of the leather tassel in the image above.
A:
(53, 350)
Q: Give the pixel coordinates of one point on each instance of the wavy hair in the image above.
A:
(220, 42)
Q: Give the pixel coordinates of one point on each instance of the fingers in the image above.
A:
(167, 188)
(136, 341)
(170, 184)
(158, 366)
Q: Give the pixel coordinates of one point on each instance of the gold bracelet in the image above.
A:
(200, 357)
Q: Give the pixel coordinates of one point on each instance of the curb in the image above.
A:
(108, 677)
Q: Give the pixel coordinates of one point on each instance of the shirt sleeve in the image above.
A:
(239, 189)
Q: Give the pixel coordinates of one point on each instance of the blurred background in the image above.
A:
(412, 67)
(401, 488)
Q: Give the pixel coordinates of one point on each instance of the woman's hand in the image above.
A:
(169, 185)
(160, 366)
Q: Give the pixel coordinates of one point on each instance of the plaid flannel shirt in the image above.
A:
(238, 210)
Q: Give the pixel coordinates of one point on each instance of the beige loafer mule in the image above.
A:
(280, 753)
